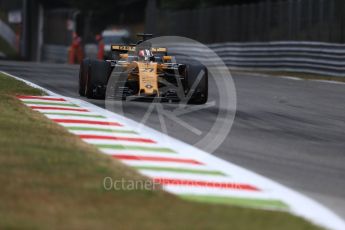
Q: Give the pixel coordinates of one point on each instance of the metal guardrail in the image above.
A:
(292, 56)
(309, 57)
(54, 53)
(8, 34)
(59, 53)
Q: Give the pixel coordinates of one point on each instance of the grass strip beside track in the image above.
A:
(50, 179)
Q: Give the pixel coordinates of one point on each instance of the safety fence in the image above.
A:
(291, 56)
(308, 57)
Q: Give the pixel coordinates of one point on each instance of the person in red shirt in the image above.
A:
(76, 53)
(100, 52)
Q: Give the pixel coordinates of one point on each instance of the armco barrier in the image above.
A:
(309, 57)
(59, 53)
(55, 53)
(8, 34)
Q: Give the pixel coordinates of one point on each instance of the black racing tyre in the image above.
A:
(197, 84)
(83, 72)
(97, 78)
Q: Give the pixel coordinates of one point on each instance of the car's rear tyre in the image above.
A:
(96, 79)
(83, 72)
(197, 84)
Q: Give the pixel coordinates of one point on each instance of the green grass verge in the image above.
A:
(51, 180)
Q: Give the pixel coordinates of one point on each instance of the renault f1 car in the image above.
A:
(143, 72)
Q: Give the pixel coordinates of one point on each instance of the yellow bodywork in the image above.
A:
(147, 71)
(148, 77)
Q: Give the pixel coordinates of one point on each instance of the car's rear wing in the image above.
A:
(124, 48)
(159, 50)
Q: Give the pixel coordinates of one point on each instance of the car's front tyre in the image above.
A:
(197, 84)
(96, 79)
(83, 72)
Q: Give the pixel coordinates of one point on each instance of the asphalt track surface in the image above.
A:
(288, 130)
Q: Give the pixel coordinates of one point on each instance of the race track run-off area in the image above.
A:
(180, 168)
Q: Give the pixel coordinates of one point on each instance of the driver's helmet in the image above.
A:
(145, 55)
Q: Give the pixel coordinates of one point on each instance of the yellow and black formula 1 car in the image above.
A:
(143, 72)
